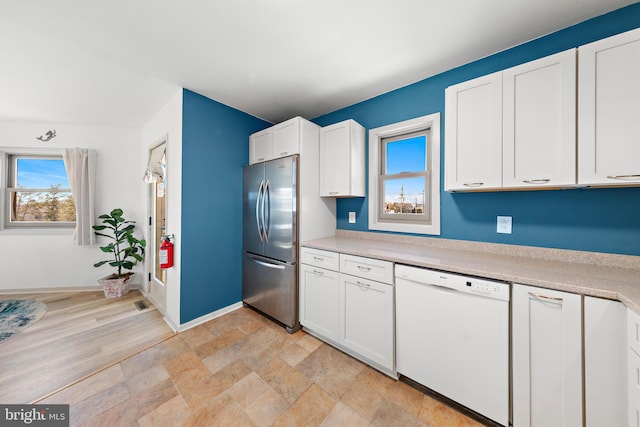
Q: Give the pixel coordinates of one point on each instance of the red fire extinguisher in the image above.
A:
(166, 253)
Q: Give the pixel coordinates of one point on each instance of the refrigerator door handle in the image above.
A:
(258, 225)
(266, 264)
(266, 198)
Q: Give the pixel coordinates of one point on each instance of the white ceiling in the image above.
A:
(115, 63)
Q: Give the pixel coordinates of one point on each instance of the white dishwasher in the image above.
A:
(452, 336)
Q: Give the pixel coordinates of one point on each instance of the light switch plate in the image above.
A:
(352, 217)
(504, 225)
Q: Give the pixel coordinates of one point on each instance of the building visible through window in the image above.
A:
(38, 192)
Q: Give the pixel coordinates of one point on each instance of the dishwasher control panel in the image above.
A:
(471, 285)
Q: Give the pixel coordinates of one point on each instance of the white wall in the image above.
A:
(168, 123)
(33, 259)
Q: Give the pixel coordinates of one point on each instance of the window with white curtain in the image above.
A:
(37, 192)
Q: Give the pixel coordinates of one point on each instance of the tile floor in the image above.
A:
(243, 370)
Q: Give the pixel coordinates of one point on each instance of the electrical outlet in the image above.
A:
(352, 217)
(504, 224)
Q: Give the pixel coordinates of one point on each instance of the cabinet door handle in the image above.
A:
(364, 286)
(318, 272)
(624, 177)
(284, 153)
(536, 181)
(365, 269)
(473, 184)
(333, 192)
(556, 300)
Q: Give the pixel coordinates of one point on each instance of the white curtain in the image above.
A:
(80, 164)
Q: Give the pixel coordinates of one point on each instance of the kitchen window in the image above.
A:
(404, 176)
(37, 192)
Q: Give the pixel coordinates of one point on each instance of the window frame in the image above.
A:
(400, 223)
(8, 186)
(383, 177)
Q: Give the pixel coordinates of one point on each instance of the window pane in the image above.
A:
(406, 155)
(404, 195)
(41, 173)
(42, 206)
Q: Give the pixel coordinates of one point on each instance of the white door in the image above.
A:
(319, 301)
(539, 122)
(605, 362)
(366, 313)
(547, 358)
(157, 226)
(261, 146)
(286, 138)
(473, 129)
(608, 106)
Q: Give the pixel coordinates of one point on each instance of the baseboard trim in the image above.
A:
(203, 319)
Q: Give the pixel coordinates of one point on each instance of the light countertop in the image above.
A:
(610, 276)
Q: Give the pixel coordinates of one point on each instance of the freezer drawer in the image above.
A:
(270, 286)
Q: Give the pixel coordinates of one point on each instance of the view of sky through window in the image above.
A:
(405, 155)
(41, 173)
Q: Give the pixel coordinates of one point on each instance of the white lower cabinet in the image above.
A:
(351, 312)
(633, 368)
(319, 296)
(366, 316)
(547, 357)
(605, 362)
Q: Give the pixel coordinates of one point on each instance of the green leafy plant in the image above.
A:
(127, 250)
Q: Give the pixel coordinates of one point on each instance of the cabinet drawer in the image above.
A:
(320, 258)
(374, 269)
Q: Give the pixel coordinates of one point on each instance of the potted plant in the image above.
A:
(125, 248)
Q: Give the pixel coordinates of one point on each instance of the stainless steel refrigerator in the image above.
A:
(270, 239)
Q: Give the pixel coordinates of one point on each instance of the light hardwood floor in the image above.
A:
(243, 370)
(81, 334)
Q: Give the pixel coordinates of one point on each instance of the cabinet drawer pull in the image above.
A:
(364, 286)
(318, 258)
(624, 177)
(536, 181)
(473, 184)
(556, 300)
(318, 272)
(365, 269)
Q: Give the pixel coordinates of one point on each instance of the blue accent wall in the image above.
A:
(215, 147)
(598, 220)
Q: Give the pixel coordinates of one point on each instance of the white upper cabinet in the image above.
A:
(261, 146)
(473, 128)
(608, 111)
(514, 128)
(342, 160)
(277, 141)
(286, 138)
(539, 117)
